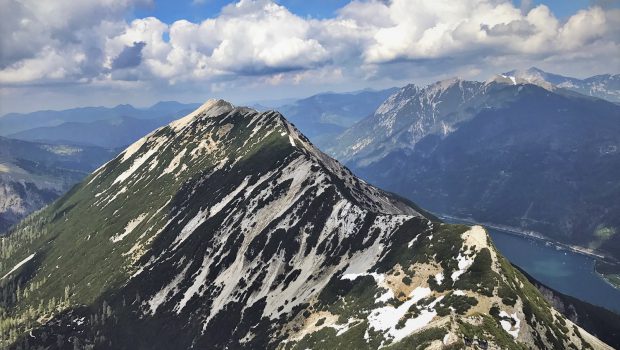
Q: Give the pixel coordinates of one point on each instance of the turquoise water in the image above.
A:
(562, 270)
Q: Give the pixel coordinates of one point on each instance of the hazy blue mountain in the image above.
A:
(605, 86)
(517, 155)
(228, 229)
(16, 122)
(319, 116)
(110, 133)
(325, 115)
(172, 107)
(34, 174)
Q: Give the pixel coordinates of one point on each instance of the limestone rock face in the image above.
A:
(228, 229)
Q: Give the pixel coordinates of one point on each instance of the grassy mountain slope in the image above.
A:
(229, 229)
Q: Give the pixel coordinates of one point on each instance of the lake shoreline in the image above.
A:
(602, 276)
(596, 256)
(534, 235)
(556, 265)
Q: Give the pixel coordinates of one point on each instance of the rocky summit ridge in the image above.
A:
(228, 229)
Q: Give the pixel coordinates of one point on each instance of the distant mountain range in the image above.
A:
(537, 158)
(34, 174)
(93, 132)
(228, 229)
(50, 151)
(381, 132)
(321, 116)
(96, 126)
(326, 115)
(109, 133)
(605, 86)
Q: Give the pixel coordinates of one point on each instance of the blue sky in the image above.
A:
(562, 8)
(196, 10)
(90, 52)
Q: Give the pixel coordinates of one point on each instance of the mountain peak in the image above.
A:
(503, 79)
(536, 69)
(210, 108)
(532, 75)
(528, 71)
(229, 229)
(222, 136)
(445, 84)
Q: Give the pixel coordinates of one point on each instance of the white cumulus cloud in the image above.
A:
(262, 42)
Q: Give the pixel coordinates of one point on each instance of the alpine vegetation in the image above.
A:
(228, 229)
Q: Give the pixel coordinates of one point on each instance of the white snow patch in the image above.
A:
(341, 330)
(131, 225)
(360, 145)
(439, 277)
(135, 165)
(386, 318)
(412, 241)
(191, 226)
(379, 277)
(385, 297)
(507, 326)
(476, 236)
(174, 163)
(19, 264)
(160, 296)
(111, 199)
(464, 263)
(419, 293)
(199, 281)
(222, 203)
(133, 148)
(290, 138)
(95, 173)
(203, 215)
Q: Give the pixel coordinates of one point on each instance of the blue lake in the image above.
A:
(565, 271)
